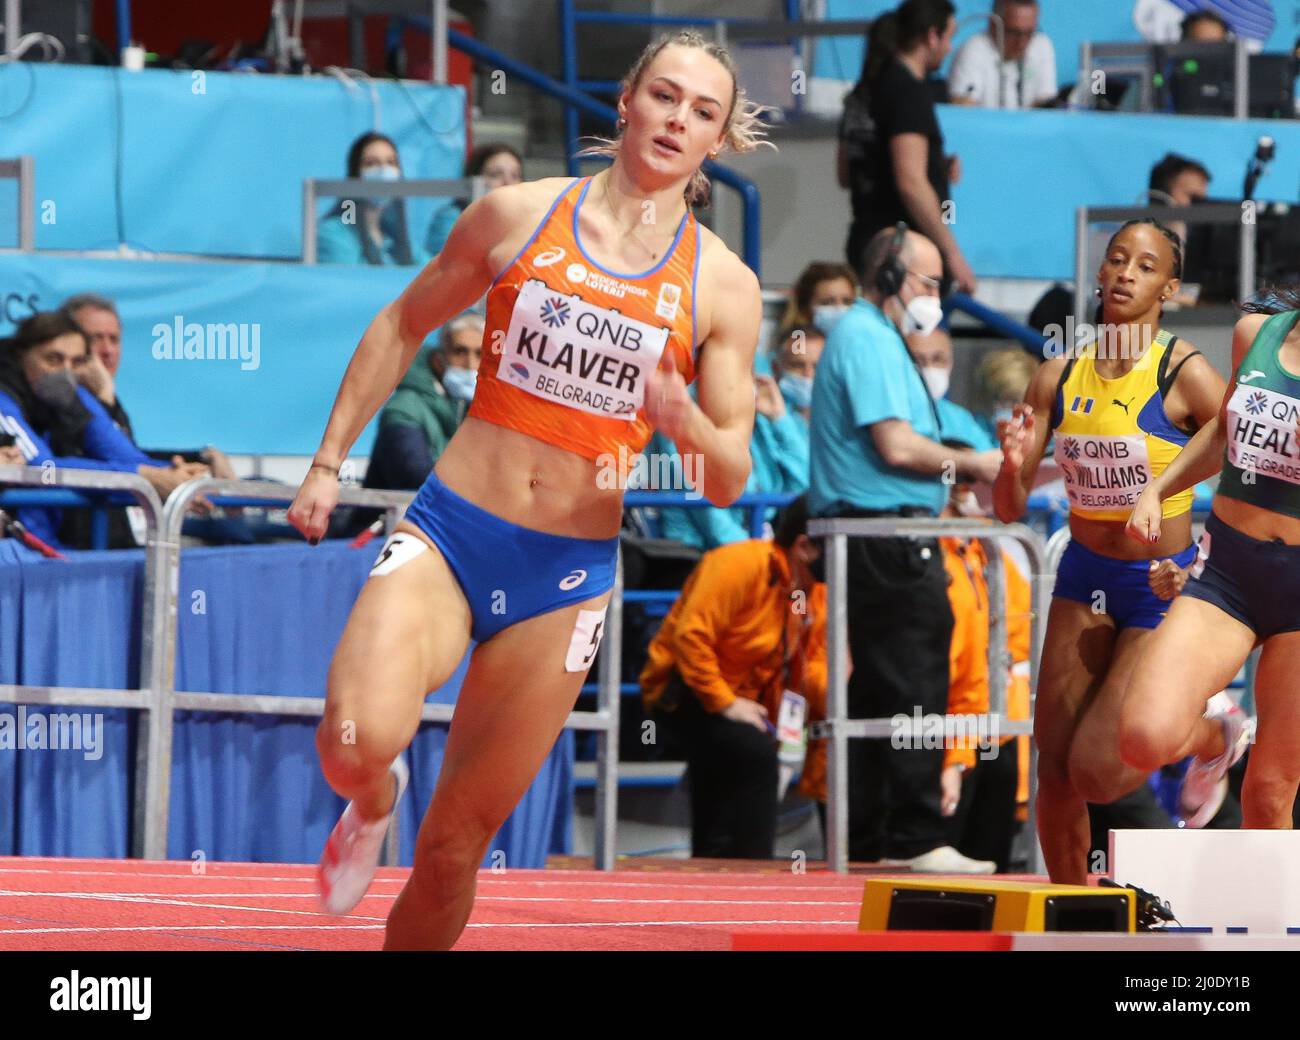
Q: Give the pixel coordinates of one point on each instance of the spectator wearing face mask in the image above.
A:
(427, 407)
(498, 164)
(55, 421)
(822, 294)
(778, 445)
(932, 353)
(876, 451)
(368, 230)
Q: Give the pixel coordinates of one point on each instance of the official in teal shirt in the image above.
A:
(866, 376)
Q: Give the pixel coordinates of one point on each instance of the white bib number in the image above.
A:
(1101, 472)
(565, 349)
(1262, 433)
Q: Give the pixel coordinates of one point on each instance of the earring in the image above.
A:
(713, 155)
(620, 124)
(1097, 292)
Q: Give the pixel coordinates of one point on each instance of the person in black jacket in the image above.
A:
(891, 156)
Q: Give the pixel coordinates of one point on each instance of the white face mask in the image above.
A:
(460, 382)
(936, 380)
(922, 315)
(828, 315)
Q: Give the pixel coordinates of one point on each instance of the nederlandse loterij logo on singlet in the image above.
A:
(565, 349)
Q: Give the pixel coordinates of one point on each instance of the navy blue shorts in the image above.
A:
(1258, 583)
(509, 573)
(1124, 583)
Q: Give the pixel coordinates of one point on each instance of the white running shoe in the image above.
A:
(1205, 785)
(943, 860)
(351, 854)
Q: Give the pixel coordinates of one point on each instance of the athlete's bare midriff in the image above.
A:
(1107, 537)
(529, 482)
(1255, 521)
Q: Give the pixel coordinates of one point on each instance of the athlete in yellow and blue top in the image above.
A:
(1121, 410)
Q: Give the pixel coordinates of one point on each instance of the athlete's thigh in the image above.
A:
(1193, 654)
(407, 632)
(511, 708)
(1276, 753)
(1098, 729)
(1076, 656)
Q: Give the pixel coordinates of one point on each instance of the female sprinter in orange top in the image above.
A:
(605, 297)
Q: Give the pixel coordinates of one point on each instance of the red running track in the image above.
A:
(68, 904)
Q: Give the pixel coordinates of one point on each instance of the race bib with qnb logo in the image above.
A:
(1103, 472)
(1262, 433)
(565, 349)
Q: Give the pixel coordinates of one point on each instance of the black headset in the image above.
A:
(889, 279)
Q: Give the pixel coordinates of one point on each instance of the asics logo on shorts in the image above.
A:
(573, 580)
(551, 256)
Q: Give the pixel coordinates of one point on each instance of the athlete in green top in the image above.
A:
(1248, 590)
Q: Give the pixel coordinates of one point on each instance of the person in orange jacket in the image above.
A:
(984, 777)
(747, 631)
(984, 822)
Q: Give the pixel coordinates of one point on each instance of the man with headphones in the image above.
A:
(875, 451)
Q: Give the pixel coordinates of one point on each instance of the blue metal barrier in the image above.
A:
(996, 321)
(60, 498)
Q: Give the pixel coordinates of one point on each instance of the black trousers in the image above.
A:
(984, 824)
(900, 630)
(732, 769)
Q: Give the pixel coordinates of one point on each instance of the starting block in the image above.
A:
(974, 905)
(1230, 881)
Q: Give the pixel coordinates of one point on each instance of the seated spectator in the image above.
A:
(981, 793)
(821, 295)
(368, 230)
(1023, 75)
(1205, 27)
(778, 445)
(10, 455)
(97, 315)
(497, 164)
(749, 625)
(54, 421)
(1179, 181)
(933, 356)
(427, 407)
(793, 366)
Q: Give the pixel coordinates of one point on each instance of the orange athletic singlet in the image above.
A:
(568, 345)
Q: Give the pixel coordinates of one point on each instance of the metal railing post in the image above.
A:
(1240, 79)
(439, 41)
(309, 221)
(836, 531)
(609, 707)
(837, 704)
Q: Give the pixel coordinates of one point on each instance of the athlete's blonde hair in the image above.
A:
(744, 129)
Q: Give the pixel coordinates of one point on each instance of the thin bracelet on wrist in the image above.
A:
(321, 465)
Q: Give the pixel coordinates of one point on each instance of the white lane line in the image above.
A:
(150, 896)
(163, 900)
(486, 876)
(369, 927)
